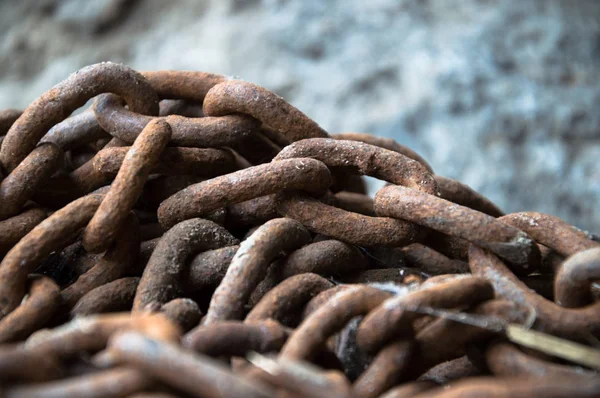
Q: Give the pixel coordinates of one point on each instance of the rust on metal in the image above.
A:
(549, 316)
(572, 283)
(76, 131)
(57, 104)
(460, 221)
(20, 365)
(51, 234)
(505, 359)
(462, 194)
(391, 318)
(235, 338)
(7, 118)
(250, 264)
(192, 234)
(34, 312)
(328, 257)
(199, 375)
(160, 280)
(288, 297)
(551, 231)
(116, 262)
(208, 268)
(126, 188)
(113, 296)
(201, 162)
(387, 368)
(20, 185)
(179, 84)
(200, 132)
(235, 96)
(353, 228)
(210, 195)
(91, 333)
(386, 143)
(364, 159)
(116, 382)
(183, 312)
(13, 229)
(329, 318)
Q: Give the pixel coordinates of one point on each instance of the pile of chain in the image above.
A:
(195, 235)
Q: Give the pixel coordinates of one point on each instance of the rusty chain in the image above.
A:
(195, 235)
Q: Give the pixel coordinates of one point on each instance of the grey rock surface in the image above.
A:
(502, 95)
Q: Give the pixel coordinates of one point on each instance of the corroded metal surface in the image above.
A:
(225, 247)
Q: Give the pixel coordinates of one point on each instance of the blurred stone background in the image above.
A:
(502, 95)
